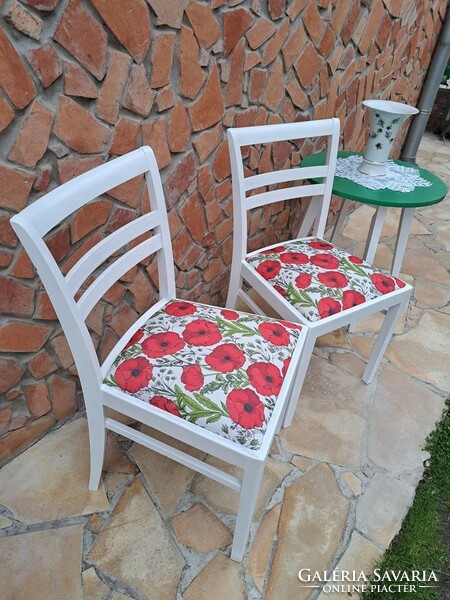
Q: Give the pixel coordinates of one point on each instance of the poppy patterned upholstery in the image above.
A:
(220, 369)
(320, 279)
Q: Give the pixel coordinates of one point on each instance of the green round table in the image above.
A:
(382, 200)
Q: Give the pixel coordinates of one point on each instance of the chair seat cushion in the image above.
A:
(220, 369)
(320, 279)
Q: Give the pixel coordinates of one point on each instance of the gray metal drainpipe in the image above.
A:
(429, 91)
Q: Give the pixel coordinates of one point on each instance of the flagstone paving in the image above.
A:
(336, 488)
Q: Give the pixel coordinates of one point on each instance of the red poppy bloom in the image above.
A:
(161, 344)
(265, 378)
(352, 298)
(383, 283)
(178, 309)
(201, 333)
(294, 258)
(286, 363)
(319, 245)
(275, 250)
(226, 358)
(333, 279)
(275, 333)
(269, 269)
(133, 374)
(303, 281)
(280, 290)
(165, 404)
(134, 339)
(328, 307)
(192, 378)
(230, 315)
(291, 325)
(326, 261)
(245, 408)
(399, 282)
(355, 260)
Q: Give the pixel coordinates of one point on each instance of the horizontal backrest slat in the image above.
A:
(110, 275)
(265, 134)
(299, 191)
(283, 176)
(106, 248)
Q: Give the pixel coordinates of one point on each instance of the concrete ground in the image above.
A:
(336, 489)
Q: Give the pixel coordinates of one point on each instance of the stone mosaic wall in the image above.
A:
(82, 80)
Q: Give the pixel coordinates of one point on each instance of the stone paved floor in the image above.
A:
(336, 488)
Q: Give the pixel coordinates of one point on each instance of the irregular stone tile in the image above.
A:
(168, 12)
(360, 555)
(83, 36)
(200, 529)
(205, 143)
(166, 478)
(125, 137)
(154, 135)
(132, 26)
(192, 75)
(222, 574)
(430, 295)
(260, 32)
(162, 57)
(302, 462)
(421, 262)
(349, 362)
(330, 419)
(275, 87)
(93, 587)
(382, 508)
(6, 113)
(437, 212)
(139, 97)
(334, 339)
(113, 481)
(443, 234)
(14, 77)
(5, 522)
(235, 24)
(47, 564)
(107, 107)
(78, 128)
(45, 61)
(31, 143)
(136, 544)
(24, 21)
(312, 523)
(423, 351)
(49, 481)
(223, 499)
(203, 23)
(235, 80)
(273, 47)
(179, 128)
(209, 108)
(404, 412)
(259, 555)
(77, 82)
(353, 482)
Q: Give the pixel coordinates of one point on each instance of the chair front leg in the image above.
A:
(234, 285)
(97, 445)
(251, 482)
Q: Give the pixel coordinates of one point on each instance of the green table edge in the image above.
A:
(420, 196)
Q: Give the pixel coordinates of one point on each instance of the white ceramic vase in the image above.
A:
(386, 118)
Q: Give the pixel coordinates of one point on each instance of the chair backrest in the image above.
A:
(35, 221)
(241, 137)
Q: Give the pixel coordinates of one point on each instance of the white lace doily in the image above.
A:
(397, 178)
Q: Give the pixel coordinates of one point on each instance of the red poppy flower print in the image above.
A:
(201, 333)
(178, 309)
(229, 315)
(274, 333)
(226, 358)
(319, 245)
(355, 260)
(134, 339)
(383, 283)
(352, 298)
(333, 279)
(303, 281)
(269, 269)
(165, 404)
(291, 325)
(275, 250)
(265, 378)
(286, 363)
(161, 344)
(328, 307)
(399, 282)
(325, 261)
(294, 258)
(280, 290)
(133, 374)
(192, 378)
(245, 408)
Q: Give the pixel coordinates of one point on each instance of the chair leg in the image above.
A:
(299, 378)
(234, 286)
(343, 212)
(97, 445)
(383, 339)
(251, 482)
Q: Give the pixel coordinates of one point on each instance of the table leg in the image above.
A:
(373, 237)
(312, 212)
(404, 227)
(343, 212)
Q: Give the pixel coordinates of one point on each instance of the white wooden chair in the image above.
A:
(216, 379)
(306, 279)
